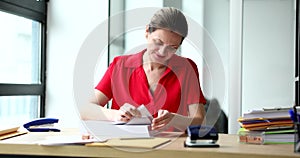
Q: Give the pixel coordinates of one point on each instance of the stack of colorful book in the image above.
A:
(266, 126)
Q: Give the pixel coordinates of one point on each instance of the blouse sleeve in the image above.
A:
(105, 85)
(193, 90)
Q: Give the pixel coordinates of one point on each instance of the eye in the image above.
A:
(171, 49)
(157, 42)
(174, 47)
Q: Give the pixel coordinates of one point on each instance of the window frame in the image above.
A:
(34, 10)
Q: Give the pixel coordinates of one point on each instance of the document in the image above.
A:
(64, 140)
(105, 130)
(267, 113)
(101, 131)
(145, 119)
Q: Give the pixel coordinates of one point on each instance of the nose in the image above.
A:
(163, 50)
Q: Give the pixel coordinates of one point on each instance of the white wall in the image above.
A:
(261, 56)
(69, 23)
(268, 54)
(235, 65)
(216, 21)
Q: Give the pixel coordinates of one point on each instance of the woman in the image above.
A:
(165, 83)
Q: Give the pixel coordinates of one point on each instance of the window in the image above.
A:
(22, 59)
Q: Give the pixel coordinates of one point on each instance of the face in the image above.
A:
(162, 45)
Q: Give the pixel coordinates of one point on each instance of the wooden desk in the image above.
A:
(229, 148)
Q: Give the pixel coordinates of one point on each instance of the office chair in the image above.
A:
(213, 109)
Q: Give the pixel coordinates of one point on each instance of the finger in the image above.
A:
(124, 119)
(158, 126)
(122, 114)
(157, 120)
(126, 114)
(127, 107)
(160, 112)
(160, 122)
(130, 110)
(85, 136)
(135, 112)
(162, 115)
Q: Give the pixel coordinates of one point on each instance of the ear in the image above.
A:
(147, 31)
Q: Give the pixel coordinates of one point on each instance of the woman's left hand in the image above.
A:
(162, 120)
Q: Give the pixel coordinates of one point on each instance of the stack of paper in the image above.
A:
(266, 126)
(266, 119)
(267, 113)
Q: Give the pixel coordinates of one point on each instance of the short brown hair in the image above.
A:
(171, 19)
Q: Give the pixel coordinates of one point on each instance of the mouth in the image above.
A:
(157, 56)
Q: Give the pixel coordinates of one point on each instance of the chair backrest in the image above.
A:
(213, 109)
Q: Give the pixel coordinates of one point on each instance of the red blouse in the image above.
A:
(125, 81)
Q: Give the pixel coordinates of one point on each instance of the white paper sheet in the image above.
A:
(145, 119)
(104, 130)
(64, 140)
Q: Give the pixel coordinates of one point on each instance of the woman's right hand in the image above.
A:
(127, 112)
